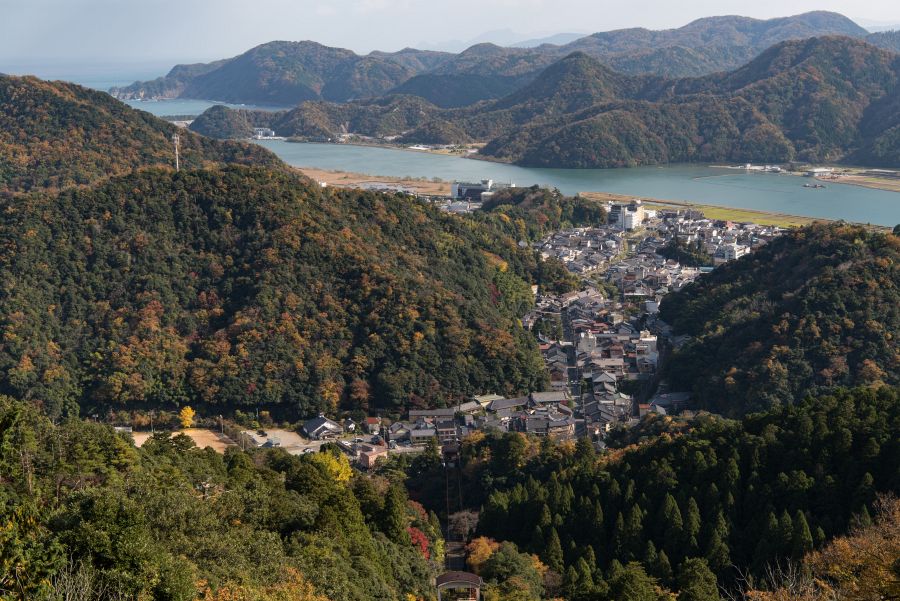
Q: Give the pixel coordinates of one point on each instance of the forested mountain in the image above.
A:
(821, 99)
(86, 516)
(287, 73)
(813, 100)
(680, 498)
(706, 45)
(889, 40)
(54, 135)
(815, 308)
(241, 287)
(483, 72)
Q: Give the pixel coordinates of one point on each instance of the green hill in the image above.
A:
(172, 521)
(287, 73)
(816, 308)
(55, 135)
(250, 287)
(682, 504)
(821, 99)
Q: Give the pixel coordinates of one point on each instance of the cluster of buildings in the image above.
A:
(541, 413)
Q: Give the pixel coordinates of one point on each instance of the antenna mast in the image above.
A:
(175, 141)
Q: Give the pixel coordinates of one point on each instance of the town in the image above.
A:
(602, 345)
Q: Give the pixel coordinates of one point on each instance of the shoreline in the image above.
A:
(849, 179)
(346, 179)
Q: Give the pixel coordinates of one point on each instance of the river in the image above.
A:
(693, 183)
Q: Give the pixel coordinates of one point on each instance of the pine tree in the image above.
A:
(802, 540)
(553, 553)
(585, 580)
(663, 569)
(696, 582)
(393, 517)
(691, 525)
(785, 534)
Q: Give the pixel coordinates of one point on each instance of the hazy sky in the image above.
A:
(167, 31)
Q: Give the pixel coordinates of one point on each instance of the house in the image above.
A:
(398, 431)
(373, 425)
(421, 433)
(370, 454)
(446, 431)
(552, 398)
(322, 428)
(499, 405)
(431, 415)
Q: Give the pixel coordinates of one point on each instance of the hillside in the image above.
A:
(101, 520)
(706, 45)
(54, 135)
(254, 288)
(889, 40)
(287, 73)
(682, 504)
(821, 99)
(815, 308)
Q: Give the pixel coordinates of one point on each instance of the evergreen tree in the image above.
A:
(663, 569)
(553, 553)
(785, 534)
(802, 540)
(696, 582)
(393, 517)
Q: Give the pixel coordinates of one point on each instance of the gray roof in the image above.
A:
(553, 396)
(448, 412)
(508, 403)
(317, 423)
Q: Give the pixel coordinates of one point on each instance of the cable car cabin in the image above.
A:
(459, 586)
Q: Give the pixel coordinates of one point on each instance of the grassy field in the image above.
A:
(712, 211)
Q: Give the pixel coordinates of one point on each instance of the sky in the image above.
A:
(154, 33)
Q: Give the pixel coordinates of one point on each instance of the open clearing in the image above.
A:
(343, 179)
(202, 438)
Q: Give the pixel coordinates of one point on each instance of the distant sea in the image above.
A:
(105, 76)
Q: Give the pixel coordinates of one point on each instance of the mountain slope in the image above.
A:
(242, 287)
(814, 100)
(287, 73)
(54, 135)
(815, 308)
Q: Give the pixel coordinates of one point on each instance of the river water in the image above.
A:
(693, 183)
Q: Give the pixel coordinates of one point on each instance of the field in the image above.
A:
(343, 179)
(202, 438)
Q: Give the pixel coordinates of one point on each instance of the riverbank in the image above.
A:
(712, 211)
(435, 187)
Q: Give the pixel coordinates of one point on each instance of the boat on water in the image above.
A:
(813, 185)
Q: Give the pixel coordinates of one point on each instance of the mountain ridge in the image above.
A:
(483, 71)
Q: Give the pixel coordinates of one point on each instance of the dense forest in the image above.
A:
(817, 307)
(55, 135)
(84, 516)
(251, 287)
(678, 503)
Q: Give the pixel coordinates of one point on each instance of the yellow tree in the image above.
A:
(186, 416)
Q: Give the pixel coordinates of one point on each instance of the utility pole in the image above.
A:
(175, 140)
